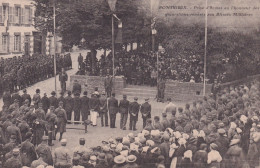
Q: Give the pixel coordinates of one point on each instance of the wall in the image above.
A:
(186, 91)
(88, 83)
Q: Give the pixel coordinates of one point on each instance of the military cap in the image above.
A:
(85, 93)
(221, 131)
(53, 93)
(16, 151)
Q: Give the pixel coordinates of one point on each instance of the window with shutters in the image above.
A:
(4, 13)
(5, 43)
(17, 43)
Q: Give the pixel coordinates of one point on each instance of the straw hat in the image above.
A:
(131, 158)
(119, 159)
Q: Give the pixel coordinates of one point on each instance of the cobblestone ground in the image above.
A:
(96, 134)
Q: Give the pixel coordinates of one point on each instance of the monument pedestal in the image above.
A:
(88, 83)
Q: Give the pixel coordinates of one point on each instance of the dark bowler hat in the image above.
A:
(53, 93)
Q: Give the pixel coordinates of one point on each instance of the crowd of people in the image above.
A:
(21, 72)
(140, 67)
(218, 131)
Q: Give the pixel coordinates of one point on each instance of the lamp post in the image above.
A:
(112, 5)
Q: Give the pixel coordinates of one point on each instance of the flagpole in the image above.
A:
(54, 37)
(205, 49)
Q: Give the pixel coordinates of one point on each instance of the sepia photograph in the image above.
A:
(129, 84)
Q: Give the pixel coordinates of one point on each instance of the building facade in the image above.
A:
(17, 33)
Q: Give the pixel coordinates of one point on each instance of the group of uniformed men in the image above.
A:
(21, 72)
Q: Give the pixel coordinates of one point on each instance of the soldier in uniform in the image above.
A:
(15, 160)
(133, 111)
(44, 150)
(28, 153)
(103, 109)
(62, 99)
(146, 111)
(108, 83)
(62, 158)
(69, 103)
(7, 99)
(123, 110)
(14, 130)
(84, 110)
(26, 96)
(161, 88)
(63, 77)
(39, 125)
(61, 120)
(76, 107)
(51, 120)
(17, 97)
(53, 100)
(113, 109)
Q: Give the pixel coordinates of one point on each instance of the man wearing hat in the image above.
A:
(101, 161)
(53, 100)
(84, 110)
(103, 109)
(119, 161)
(222, 142)
(62, 158)
(44, 150)
(39, 162)
(28, 153)
(14, 130)
(26, 96)
(61, 120)
(69, 105)
(170, 107)
(146, 111)
(235, 157)
(36, 98)
(123, 110)
(113, 109)
(133, 111)
(15, 160)
(131, 161)
(45, 103)
(61, 98)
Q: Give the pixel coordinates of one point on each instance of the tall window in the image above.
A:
(27, 15)
(3, 13)
(17, 15)
(17, 43)
(5, 43)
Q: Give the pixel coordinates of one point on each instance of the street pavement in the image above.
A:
(97, 134)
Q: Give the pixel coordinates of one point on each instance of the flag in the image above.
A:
(119, 38)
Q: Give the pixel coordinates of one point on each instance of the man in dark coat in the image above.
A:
(28, 153)
(113, 109)
(15, 131)
(84, 110)
(108, 83)
(51, 119)
(61, 120)
(69, 103)
(26, 96)
(45, 103)
(53, 100)
(133, 111)
(76, 87)
(103, 109)
(80, 61)
(62, 99)
(123, 110)
(76, 107)
(146, 111)
(222, 141)
(63, 77)
(15, 160)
